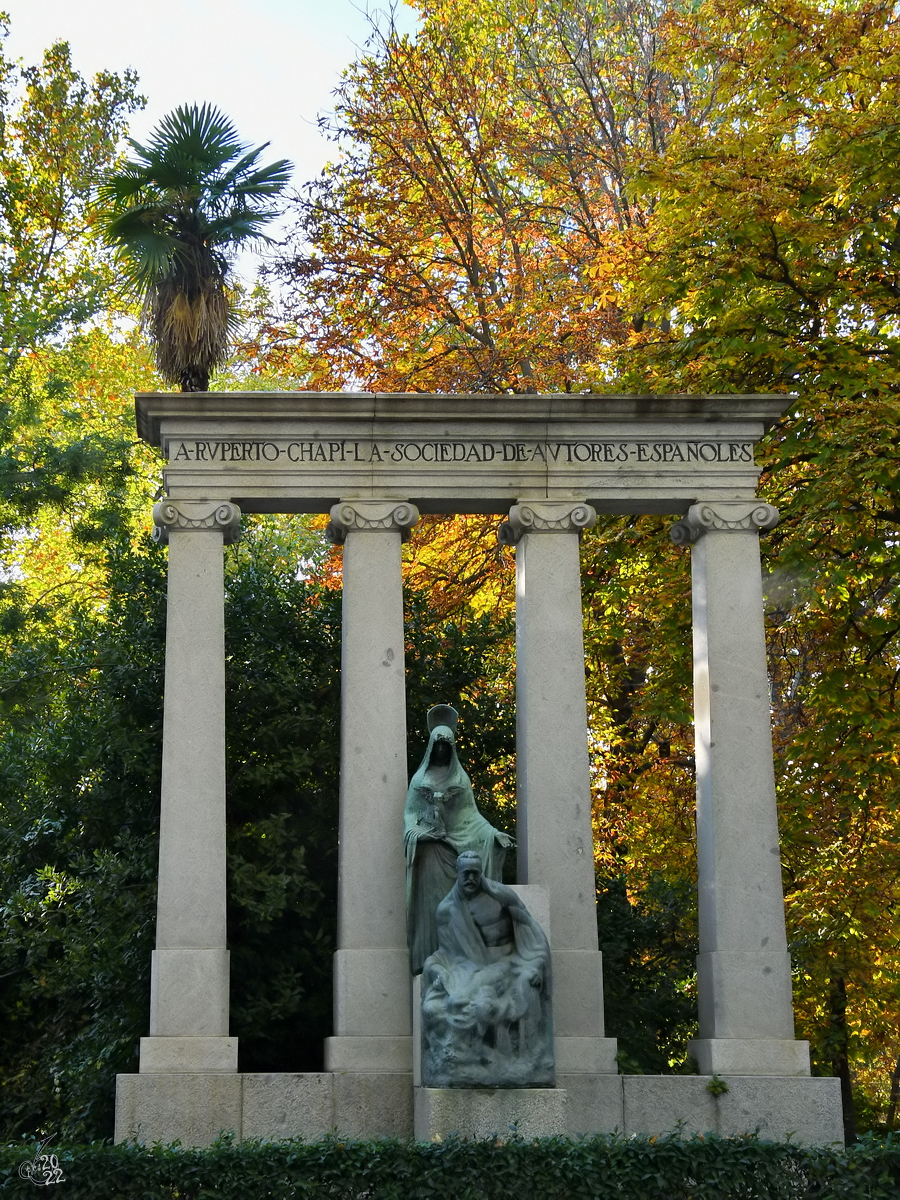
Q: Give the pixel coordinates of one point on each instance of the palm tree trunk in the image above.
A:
(194, 379)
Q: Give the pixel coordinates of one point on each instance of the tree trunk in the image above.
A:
(895, 1095)
(194, 379)
(839, 1040)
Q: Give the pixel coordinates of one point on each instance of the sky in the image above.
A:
(270, 65)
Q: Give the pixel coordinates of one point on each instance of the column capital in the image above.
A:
(545, 516)
(196, 516)
(371, 516)
(724, 516)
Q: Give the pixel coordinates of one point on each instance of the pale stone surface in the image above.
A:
(366, 984)
(369, 1105)
(552, 772)
(656, 1104)
(417, 1030)
(189, 1055)
(744, 981)
(594, 1103)
(189, 992)
(298, 452)
(536, 899)
(371, 872)
(192, 1109)
(485, 1113)
(189, 988)
(807, 1111)
(586, 1055)
(753, 1056)
(745, 993)
(379, 1054)
(287, 1106)
(578, 993)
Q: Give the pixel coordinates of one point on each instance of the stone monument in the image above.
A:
(551, 463)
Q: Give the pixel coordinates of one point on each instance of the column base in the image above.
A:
(372, 993)
(189, 1055)
(578, 994)
(750, 1056)
(378, 1055)
(189, 989)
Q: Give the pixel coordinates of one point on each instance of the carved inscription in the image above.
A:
(561, 453)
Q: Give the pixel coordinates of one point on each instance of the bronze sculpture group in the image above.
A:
(484, 959)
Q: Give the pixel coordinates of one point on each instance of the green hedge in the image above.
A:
(549, 1169)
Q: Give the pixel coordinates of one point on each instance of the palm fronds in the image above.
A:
(175, 212)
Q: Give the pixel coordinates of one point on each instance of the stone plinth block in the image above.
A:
(489, 1113)
(593, 1103)
(657, 1104)
(807, 1111)
(192, 1109)
(750, 1056)
(287, 1106)
(189, 1055)
(369, 1105)
(378, 1054)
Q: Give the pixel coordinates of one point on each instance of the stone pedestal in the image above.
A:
(372, 1003)
(555, 835)
(189, 980)
(743, 968)
(484, 1113)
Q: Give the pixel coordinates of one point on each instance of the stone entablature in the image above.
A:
(305, 451)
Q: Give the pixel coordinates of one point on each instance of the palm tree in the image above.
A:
(175, 213)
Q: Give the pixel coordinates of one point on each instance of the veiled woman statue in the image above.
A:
(440, 822)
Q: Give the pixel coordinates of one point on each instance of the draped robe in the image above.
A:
(440, 822)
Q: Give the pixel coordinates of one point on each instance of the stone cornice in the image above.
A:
(370, 516)
(545, 516)
(724, 516)
(263, 410)
(196, 516)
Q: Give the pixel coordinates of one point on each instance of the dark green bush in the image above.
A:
(548, 1169)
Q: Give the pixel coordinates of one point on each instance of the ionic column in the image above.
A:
(743, 969)
(372, 1000)
(555, 834)
(189, 977)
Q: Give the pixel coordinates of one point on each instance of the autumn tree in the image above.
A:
(775, 255)
(637, 197)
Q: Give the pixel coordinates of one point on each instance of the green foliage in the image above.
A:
(79, 738)
(606, 1168)
(58, 133)
(649, 946)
